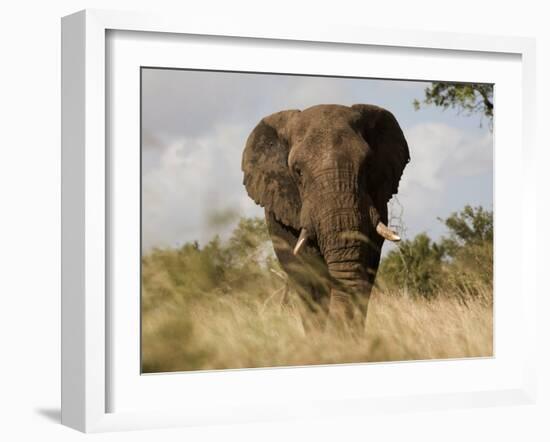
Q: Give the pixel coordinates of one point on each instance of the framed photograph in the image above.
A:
(267, 222)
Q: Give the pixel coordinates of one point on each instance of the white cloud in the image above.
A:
(304, 92)
(439, 151)
(193, 178)
(445, 161)
(190, 103)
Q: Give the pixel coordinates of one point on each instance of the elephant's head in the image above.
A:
(328, 172)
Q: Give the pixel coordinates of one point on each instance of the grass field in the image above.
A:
(245, 330)
(221, 306)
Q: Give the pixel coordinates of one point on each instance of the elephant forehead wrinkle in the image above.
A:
(334, 180)
(336, 173)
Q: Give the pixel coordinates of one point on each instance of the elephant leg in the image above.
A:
(311, 307)
(347, 313)
(307, 274)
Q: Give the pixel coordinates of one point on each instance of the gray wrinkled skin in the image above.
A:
(330, 169)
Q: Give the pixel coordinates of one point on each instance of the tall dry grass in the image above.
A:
(243, 330)
(221, 306)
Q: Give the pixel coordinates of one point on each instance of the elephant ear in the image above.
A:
(267, 177)
(391, 152)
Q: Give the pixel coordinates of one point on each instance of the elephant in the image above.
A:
(324, 176)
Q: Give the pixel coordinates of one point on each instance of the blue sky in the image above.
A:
(195, 125)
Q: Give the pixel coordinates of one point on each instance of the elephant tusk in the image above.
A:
(301, 241)
(385, 232)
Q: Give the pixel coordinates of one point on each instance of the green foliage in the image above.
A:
(460, 262)
(472, 98)
(250, 236)
(218, 267)
(472, 226)
(416, 265)
(470, 246)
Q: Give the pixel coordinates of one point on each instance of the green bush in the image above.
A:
(459, 264)
(416, 266)
(217, 268)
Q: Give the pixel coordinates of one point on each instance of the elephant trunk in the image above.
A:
(342, 231)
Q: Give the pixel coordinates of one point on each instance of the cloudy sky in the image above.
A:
(195, 125)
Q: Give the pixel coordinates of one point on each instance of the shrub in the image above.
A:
(460, 263)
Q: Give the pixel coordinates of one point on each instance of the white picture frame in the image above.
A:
(87, 356)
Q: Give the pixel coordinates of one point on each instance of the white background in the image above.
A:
(30, 225)
(257, 389)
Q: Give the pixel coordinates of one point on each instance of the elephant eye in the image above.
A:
(297, 171)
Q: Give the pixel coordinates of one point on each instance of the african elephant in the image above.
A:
(324, 176)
